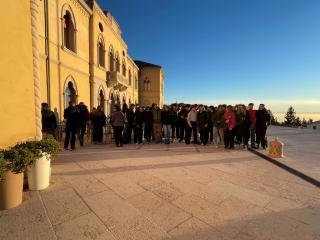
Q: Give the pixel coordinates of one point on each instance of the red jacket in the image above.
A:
(252, 114)
(232, 119)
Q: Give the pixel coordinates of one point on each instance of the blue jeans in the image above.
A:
(167, 132)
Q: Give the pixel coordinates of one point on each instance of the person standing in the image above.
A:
(252, 115)
(174, 127)
(262, 122)
(48, 119)
(98, 122)
(211, 112)
(192, 123)
(182, 119)
(242, 126)
(148, 121)
(219, 125)
(166, 120)
(138, 122)
(83, 121)
(157, 126)
(71, 115)
(129, 119)
(117, 120)
(203, 125)
(230, 121)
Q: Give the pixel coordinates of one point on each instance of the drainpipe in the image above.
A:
(47, 50)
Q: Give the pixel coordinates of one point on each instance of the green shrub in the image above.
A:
(3, 168)
(19, 157)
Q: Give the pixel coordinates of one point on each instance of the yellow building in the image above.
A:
(151, 83)
(17, 93)
(55, 51)
(84, 57)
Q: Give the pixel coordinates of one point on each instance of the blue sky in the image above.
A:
(232, 51)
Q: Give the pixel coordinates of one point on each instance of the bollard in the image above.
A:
(275, 148)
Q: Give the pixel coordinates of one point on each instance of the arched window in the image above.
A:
(111, 59)
(136, 82)
(130, 77)
(101, 52)
(146, 85)
(149, 86)
(70, 94)
(69, 32)
(101, 99)
(124, 70)
(117, 60)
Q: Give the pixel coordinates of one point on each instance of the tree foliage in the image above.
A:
(290, 117)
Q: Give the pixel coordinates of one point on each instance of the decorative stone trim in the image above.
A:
(36, 66)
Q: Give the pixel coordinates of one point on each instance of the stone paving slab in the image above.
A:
(301, 148)
(160, 191)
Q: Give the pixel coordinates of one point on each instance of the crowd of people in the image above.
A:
(223, 125)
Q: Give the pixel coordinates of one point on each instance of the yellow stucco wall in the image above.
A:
(65, 65)
(80, 67)
(17, 105)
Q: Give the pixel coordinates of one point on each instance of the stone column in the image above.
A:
(36, 66)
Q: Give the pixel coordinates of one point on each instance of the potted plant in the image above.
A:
(39, 170)
(13, 162)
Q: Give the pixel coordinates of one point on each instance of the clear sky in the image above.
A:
(221, 51)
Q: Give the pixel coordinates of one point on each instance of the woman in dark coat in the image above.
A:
(98, 122)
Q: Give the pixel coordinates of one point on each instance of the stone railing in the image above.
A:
(117, 80)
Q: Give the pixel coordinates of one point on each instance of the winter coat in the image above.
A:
(98, 119)
(117, 119)
(230, 119)
(49, 120)
(83, 114)
(138, 119)
(262, 118)
(148, 118)
(130, 116)
(166, 117)
(202, 118)
(210, 118)
(72, 116)
(252, 114)
(218, 120)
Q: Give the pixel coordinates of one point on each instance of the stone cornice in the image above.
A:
(82, 6)
(108, 22)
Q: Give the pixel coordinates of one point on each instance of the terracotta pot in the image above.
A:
(11, 190)
(39, 174)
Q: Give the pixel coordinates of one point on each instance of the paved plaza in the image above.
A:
(301, 148)
(153, 192)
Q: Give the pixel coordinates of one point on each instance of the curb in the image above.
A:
(291, 170)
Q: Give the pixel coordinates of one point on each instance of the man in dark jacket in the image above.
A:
(138, 122)
(182, 118)
(71, 115)
(262, 122)
(83, 121)
(148, 121)
(129, 119)
(203, 125)
(49, 122)
(166, 120)
(211, 111)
